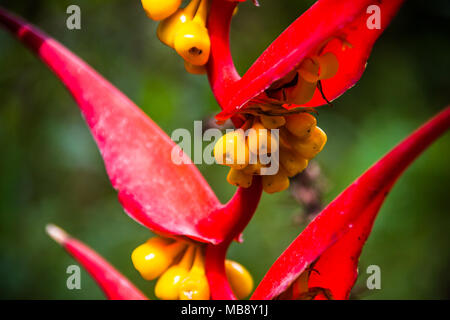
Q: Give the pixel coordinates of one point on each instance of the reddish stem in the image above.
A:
(221, 70)
(243, 204)
(338, 218)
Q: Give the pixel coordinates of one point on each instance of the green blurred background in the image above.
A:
(51, 171)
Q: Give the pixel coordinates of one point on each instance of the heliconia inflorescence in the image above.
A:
(297, 140)
(316, 59)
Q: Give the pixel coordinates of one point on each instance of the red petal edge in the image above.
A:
(243, 204)
(165, 197)
(348, 219)
(112, 282)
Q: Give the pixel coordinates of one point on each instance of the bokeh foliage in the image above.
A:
(51, 171)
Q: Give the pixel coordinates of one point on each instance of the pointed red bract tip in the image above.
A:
(115, 285)
(334, 239)
(242, 205)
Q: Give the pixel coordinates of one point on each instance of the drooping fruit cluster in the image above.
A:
(276, 147)
(183, 29)
(180, 269)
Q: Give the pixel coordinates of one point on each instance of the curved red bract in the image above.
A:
(244, 204)
(165, 197)
(325, 20)
(345, 219)
(336, 269)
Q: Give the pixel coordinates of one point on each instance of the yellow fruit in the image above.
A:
(301, 124)
(285, 138)
(239, 178)
(253, 169)
(301, 93)
(292, 163)
(194, 287)
(329, 65)
(231, 150)
(310, 147)
(240, 279)
(194, 69)
(160, 9)
(192, 43)
(309, 70)
(168, 285)
(272, 122)
(277, 182)
(168, 28)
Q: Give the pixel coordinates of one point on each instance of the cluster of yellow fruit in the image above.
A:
(299, 86)
(180, 267)
(183, 29)
(299, 140)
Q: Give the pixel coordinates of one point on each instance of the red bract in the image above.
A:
(329, 23)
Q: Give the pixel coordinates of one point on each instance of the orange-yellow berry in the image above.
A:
(168, 285)
(195, 286)
(329, 65)
(301, 124)
(277, 182)
(192, 43)
(152, 258)
(240, 279)
(160, 9)
(310, 147)
(253, 169)
(292, 163)
(272, 122)
(194, 69)
(260, 141)
(168, 28)
(239, 178)
(309, 70)
(231, 150)
(301, 93)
